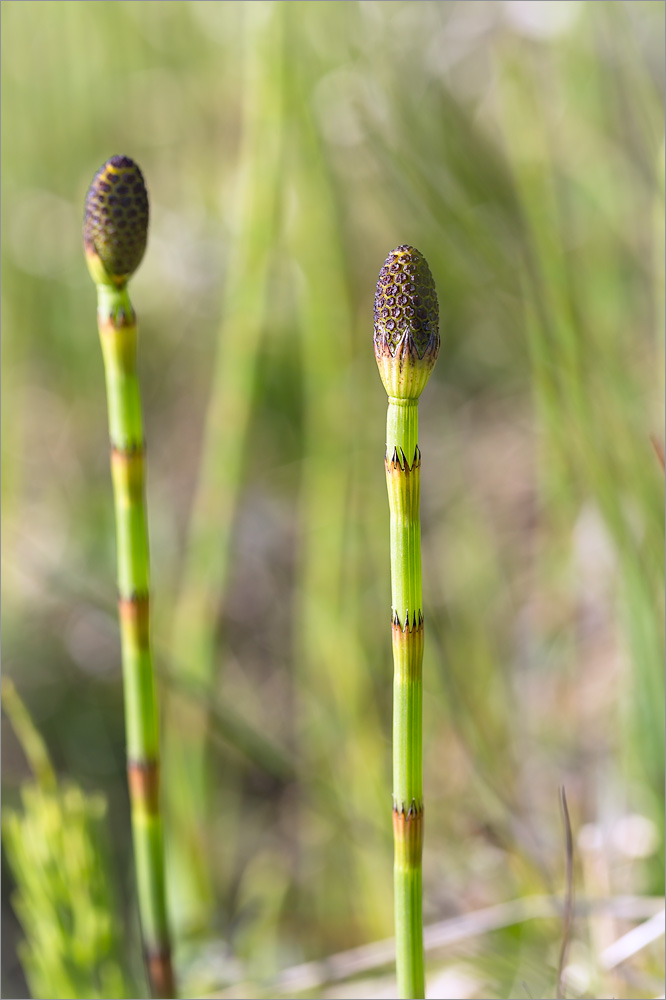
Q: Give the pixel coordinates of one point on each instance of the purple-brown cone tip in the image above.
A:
(115, 228)
(406, 334)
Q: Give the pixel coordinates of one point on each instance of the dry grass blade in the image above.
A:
(568, 903)
(633, 941)
(368, 958)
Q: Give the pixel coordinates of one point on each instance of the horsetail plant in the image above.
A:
(406, 339)
(114, 234)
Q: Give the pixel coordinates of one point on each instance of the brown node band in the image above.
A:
(143, 778)
(398, 462)
(414, 809)
(120, 320)
(407, 646)
(130, 453)
(408, 833)
(118, 335)
(160, 973)
(134, 613)
(127, 470)
(413, 623)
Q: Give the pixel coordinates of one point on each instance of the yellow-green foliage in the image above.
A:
(62, 898)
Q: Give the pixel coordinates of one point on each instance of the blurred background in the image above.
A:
(287, 148)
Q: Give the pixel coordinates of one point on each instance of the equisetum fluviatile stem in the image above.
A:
(114, 234)
(406, 340)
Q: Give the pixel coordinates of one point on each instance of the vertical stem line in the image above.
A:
(337, 717)
(194, 645)
(118, 332)
(403, 471)
(403, 477)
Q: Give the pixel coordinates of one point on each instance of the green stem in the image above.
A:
(406, 342)
(118, 332)
(403, 472)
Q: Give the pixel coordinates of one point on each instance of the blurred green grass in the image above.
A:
(520, 148)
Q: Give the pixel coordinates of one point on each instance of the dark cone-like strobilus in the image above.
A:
(115, 229)
(406, 323)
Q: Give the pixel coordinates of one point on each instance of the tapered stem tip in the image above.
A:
(406, 336)
(115, 228)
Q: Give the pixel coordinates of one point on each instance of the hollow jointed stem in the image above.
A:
(117, 329)
(403, 471)
(115, 232)
(406, 346)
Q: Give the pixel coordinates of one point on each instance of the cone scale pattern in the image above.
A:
(116, 219)
(406, 318)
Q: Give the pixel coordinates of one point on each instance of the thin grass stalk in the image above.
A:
(337, 718)
(406, 340)
(194, 647)
(115, 234)
(595, 436)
